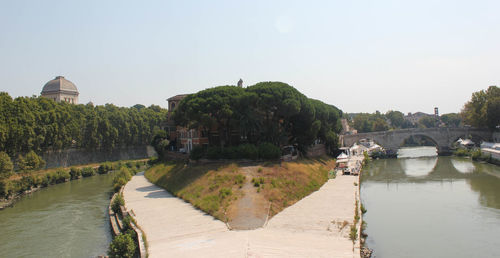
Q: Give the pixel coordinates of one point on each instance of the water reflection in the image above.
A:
(418, 167)
(432, 207)
(463, 165)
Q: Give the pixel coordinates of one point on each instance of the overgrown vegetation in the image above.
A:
(20, 182)
(353, 234)
(462, 152)
(477, 155)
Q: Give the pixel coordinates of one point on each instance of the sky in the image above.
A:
(360, 56)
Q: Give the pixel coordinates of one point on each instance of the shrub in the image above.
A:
(5, 188)
(75, 173)
(104, 168)
(239, 180)
(247, 151)
(258, 181)
(88, 171)
(461, 152)
(153, 160)
(197, 153)
(228, 153)
(122, 246)
(363, 209)
(269, 151)
(121, 178)
(61, 176)
(214, 152)
(224, 192)
(117, 202)
(30, 162)
(6, 165)
(353, 235)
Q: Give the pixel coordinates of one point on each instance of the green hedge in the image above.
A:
(243, 151)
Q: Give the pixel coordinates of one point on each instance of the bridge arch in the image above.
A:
(420, 135)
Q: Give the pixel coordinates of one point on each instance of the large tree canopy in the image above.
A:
(483, 108)
(272, 112)
(39, 124)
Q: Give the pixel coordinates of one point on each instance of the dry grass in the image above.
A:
(286, 184)
(213, 188)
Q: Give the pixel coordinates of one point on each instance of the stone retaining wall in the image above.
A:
(70, 157)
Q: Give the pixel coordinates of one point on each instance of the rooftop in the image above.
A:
(59, 84)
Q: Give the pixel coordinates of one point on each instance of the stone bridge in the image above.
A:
(443, 137)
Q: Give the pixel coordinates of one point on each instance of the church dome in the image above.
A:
(61, 85)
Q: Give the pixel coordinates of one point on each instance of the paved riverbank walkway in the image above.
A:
(313, 227)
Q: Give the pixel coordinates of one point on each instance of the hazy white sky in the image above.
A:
(361, 56)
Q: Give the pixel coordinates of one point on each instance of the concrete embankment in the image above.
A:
(117, 224)
(316, 226)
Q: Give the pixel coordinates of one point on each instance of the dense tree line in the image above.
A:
(483, 109)
(40, 124)
(273, 112)
(366, 122)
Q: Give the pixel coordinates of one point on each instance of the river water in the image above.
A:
(64, 220)
(421, 205)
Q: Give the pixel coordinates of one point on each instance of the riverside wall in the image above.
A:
(71, 157)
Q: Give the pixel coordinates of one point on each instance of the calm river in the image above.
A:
(65, 220)
(421, 205)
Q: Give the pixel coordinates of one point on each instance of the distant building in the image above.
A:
(182, 137)
(240, 83)
(346, 129)
(415, 117)
(60, 89)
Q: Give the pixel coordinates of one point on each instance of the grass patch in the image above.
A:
(211, 188)
(292, 181)
(214, 187)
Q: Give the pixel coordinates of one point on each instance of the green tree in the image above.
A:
(273, 112)
(40, 124)
(396, 118)
(482, 109)
(365, 122)
(30, 162)
(6, 165)
(493, 113)
(427, 122)
(451, 119)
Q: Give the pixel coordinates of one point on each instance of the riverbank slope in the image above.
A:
(316, 226)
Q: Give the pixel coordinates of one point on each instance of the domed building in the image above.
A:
(60, 89)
